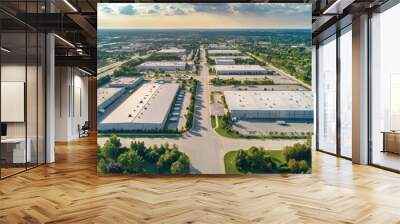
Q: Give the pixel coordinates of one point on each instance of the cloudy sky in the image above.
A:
(203, 15)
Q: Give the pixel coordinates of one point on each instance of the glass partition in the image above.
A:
(327, 95)
(346, 92)
(22, 101)
(13, 105)
(385, 89)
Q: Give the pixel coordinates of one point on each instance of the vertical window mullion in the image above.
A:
(338, 76)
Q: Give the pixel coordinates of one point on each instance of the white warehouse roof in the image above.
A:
(147, 107)
(125, 81)
(221, 52)
(172, 51)
(269, 100)
(229, 57)
(105, 93)
(220, 61)
(239, 68)
(162, 63)
(218, 46)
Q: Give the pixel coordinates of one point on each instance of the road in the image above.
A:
(205, 148)
(109, 69)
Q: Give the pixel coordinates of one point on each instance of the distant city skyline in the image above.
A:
(204, 16)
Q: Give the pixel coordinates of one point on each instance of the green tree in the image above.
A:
(166, 160)
(293, 165)
(256, 158)
(139, 147)
(114, 168)
(303, 166)
(298, 152)
(242, 161)
(181, 166)
(131, 162)
(152, 155)
(102, 166)
(269, 163)
(112, 148)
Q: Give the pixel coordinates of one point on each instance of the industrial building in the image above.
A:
(223, 61)
(172, 51)
(162, 66)
(239, 70)
(218, 46)
(146, 109)
(224, 52)
(107, 95)
(291, 105)
(229, 57)
(126, 82)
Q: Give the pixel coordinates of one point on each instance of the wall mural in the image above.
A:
(204, 88)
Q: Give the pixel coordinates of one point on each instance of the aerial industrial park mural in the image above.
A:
(221, 88)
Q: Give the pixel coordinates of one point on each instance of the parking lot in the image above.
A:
(259, 87)
(259, 127)
(217, 106)
(177, 119)
(277, 78)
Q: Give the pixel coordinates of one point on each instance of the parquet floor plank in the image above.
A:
(70, 191)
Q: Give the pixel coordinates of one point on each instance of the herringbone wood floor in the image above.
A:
(70, 191)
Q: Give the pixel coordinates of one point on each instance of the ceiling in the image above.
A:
(331, 15)
(73, 21)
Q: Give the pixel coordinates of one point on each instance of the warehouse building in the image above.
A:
(223, 61)
(218, 46)
(172, 51)
(146, 109)
(239, 70)
(224, 52)
(162, 66)
(126, 82)
(229, 57)
(106, 96)
(290, 105)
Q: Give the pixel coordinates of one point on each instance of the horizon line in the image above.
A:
(238, 28)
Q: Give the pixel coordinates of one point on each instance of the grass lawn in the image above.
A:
(229, 161)
(230, 166)
(225, 133)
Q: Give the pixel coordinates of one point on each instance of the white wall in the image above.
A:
(71, 102)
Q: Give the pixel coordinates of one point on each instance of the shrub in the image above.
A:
(114, 158)
(138, 147)
(131, 162)
(242, 161)
(298, 152)
(303, 166)
(114, 168)
(166, 160)
(284, 169)
(254, 160)
(102, 166)
(181, 166)
(152, 155)
(103, 80)
(112, 148)
(293, 166)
